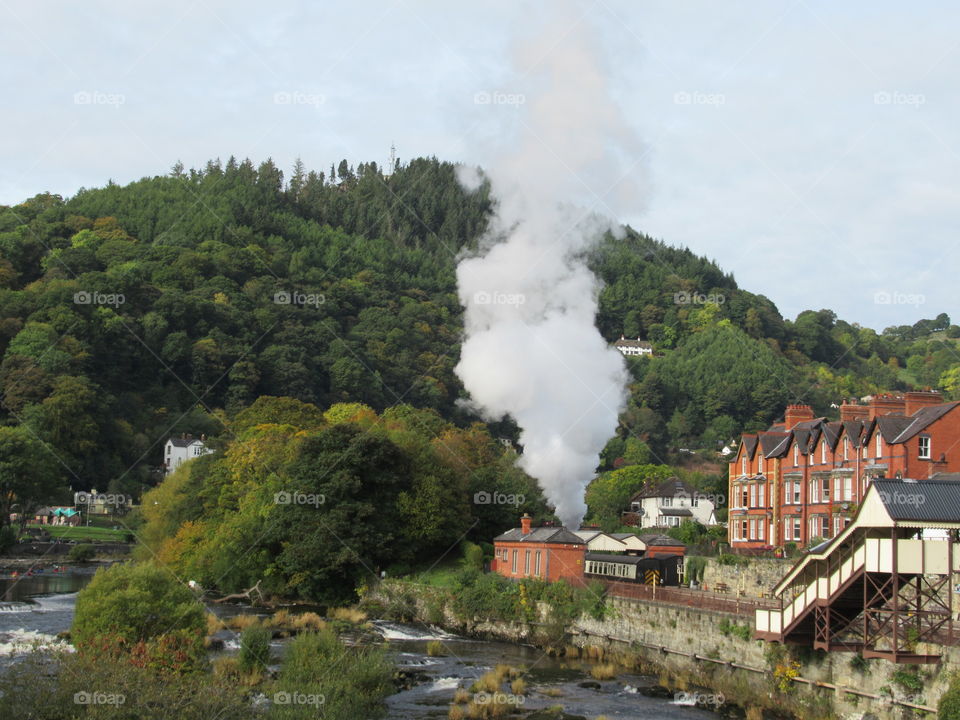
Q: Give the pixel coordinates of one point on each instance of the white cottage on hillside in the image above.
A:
(180, 449)
(668, 505)
(633, 348)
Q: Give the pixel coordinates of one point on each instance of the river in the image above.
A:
(34, 609)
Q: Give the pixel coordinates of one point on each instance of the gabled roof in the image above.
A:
(774, 444)
(749, 445)
(923, 418)
(671, 488)
(891, 426)
(623, 342)
(541, 535)
(854, 431)
(184, 442)
(831, 433)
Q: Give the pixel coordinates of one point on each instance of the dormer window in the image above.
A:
(924, 447)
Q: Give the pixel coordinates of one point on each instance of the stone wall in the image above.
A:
(693, 648)
(754, 579)
(672, 630)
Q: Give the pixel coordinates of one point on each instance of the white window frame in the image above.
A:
(879, 444)
(823, 453)
(753, 495)
(743, 465)
(796, 455)
(846, 448)
(760, 494)
(923, 447)
(760, 467)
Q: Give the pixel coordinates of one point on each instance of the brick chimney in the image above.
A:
(795, 414)
(913, 401)
(853, 411)
(525, 524)
(886, 404)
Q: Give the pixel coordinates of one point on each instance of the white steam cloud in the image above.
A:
(532, 349)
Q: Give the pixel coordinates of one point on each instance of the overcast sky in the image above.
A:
(811, 148)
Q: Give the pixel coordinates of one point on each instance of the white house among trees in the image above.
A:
(180, 449)
(669, 504)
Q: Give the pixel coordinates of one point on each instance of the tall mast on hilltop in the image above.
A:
(392, 162)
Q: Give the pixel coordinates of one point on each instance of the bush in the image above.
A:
(133, 603)
(255, 649)
(81, 553)
(472, 556)
(949, 706)
(36, 689)
(8, 538)
(351, 681)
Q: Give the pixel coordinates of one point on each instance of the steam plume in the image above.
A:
(532, 349)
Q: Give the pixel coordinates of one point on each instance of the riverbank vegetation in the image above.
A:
(139, 636)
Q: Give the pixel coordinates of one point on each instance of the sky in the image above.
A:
(810, 148)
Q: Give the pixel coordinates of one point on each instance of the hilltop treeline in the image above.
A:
(170, 304)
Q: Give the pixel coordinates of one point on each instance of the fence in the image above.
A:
(690, 598)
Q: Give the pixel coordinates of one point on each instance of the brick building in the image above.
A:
(803, 478)
(548, 552)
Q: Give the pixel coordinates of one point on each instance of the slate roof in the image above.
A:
(750, 445)
(676, 512)
(672, 487)
(623, 536)
(854, 430)
(923, 500)
(550, 535)
(623, 559)
(923, 418)
(623, 342)
(657, 539)
(831, 431)
(184, 442)
(892, 425)
(774, 444)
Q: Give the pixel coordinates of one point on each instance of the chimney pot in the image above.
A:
(525, 524)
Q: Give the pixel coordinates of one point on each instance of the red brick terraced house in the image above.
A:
(548, 553)
(802, 479)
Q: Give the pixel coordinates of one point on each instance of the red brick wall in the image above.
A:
(556, 560)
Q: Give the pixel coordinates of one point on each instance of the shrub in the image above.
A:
(603, 671)
(949, 706)
(8, 538)
(435, 648)
(81, 553)
(132, 603)
(472, 556)
(352, 681)
(254, 648)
